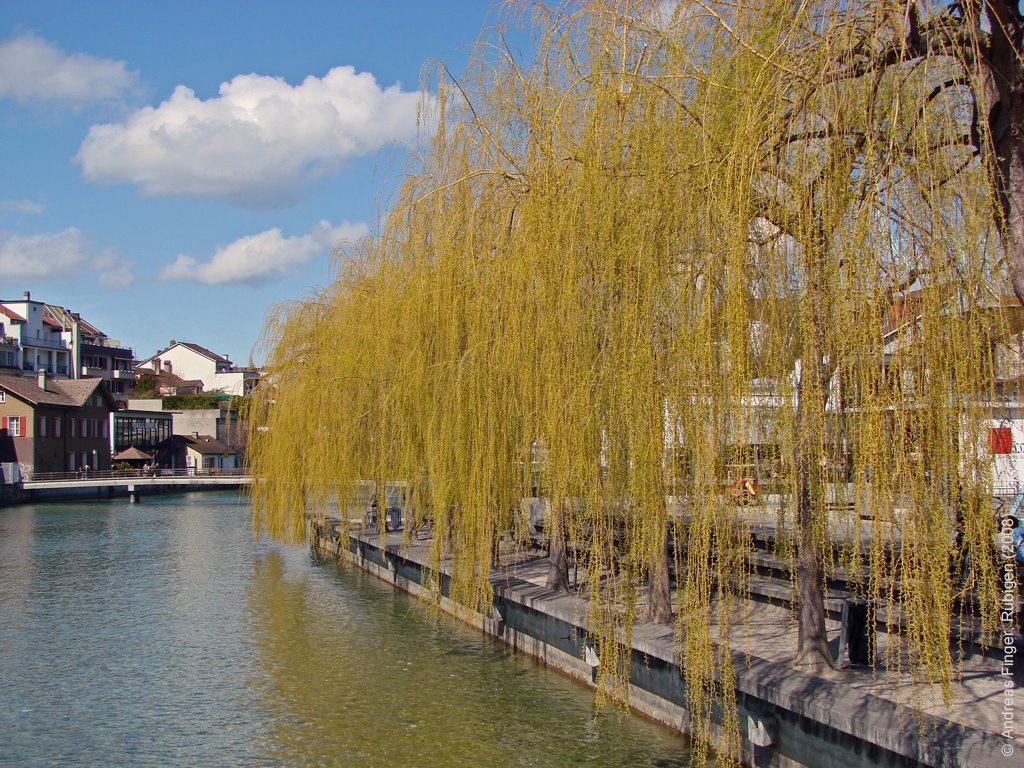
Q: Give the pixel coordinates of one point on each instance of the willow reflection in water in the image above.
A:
(161, 634)
(360, 674)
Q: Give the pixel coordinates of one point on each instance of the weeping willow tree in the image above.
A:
(677, 234)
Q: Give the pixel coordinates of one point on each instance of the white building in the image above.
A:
(35, 336)
(191, 361)
(31, 341)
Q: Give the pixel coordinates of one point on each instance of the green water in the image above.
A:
(163, 634)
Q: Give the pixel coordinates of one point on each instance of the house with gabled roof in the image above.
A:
(191, 361)
(198, 453)
(54, 425)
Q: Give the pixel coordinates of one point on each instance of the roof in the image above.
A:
(66, 393)
(204, 351)
(132, 454)
(199, 350)
(205, 444)
(65, 318)
(167, 379)
(13, 315)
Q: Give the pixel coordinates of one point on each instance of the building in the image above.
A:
(54, 425)
(140, 429)
(167, 384)
(191, 361)
(197, 452)
(34, 341)
(147, 426)
(38, 336)
(96, 354)
(222, 423)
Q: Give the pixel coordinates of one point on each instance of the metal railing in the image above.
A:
(122, 474)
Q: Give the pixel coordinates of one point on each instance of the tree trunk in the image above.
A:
(659, 607)
(558, 561)
(812, 651)
(1007, 125)
(495, 550)
(1002, 78)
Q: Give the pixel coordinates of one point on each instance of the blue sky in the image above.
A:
(174, 169)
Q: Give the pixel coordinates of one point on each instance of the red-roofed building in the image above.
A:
(54, 425)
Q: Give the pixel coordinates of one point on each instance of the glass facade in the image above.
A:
(141, 431)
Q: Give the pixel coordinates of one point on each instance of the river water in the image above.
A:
(162, 633)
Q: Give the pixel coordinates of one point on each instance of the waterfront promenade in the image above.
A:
(852, 716)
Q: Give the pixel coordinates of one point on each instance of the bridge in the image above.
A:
(44, 486)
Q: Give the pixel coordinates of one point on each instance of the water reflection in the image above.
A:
(360, 673)
(161, 634)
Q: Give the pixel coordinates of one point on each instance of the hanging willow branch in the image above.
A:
(712, 290)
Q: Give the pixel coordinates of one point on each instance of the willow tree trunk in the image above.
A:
(1003, 79)
(558, 560)
(812, 640)
(659, 607)
(812, 651)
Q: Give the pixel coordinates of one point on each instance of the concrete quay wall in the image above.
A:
(787, 718)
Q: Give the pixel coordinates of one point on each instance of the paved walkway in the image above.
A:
(768, 632)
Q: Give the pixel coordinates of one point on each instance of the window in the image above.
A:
(42, 426)
(56, 426)
(85, 428)
(14, 426)
(73, 423)
(3, 395)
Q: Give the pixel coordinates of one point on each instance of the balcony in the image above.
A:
(45, 343)
(106, 347)
(123, 375)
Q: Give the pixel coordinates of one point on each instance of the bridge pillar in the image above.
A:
(133, 494)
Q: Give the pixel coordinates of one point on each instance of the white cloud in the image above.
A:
(114, 272)
(257, 143)
(59, 255)
(22, 206)
(257, 259)
(32, 68)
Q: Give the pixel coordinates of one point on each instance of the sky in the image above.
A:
(174, 170)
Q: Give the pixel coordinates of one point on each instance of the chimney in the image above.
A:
(41, 378)
(28, 296)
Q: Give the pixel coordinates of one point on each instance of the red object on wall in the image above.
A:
(1000, 440)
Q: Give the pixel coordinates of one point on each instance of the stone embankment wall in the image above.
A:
(787, 718)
